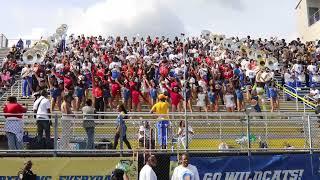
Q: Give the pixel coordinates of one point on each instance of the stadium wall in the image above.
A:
(306, 31)
(211, 166)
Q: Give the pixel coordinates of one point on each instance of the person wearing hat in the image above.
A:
(161, 108)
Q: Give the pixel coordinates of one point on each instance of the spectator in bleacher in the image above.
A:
(20, 44)
(88, 123)
(314, 93)
(41, 108)
(274, 100)
(14, 123)
(26, 74)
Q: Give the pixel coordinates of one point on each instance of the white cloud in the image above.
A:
(122, 17)
(153, 17)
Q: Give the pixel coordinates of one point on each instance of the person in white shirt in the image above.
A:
(147, 172)
(26, 74)
(185, 171)
(297, 68)
(42, 109)
(182, 134)
(313, 91)
(312, 68)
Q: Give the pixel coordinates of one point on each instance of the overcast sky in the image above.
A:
(259, 18)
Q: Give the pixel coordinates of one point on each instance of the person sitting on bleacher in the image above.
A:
(314, 93)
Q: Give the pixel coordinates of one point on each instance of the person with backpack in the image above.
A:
(41, 108)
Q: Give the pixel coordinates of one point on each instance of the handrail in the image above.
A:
(14, 84)
(295, 95)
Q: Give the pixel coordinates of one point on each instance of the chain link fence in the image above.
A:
(145, 132)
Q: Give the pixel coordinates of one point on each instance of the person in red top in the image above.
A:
(97, 92)
(14, 124)
(115, 93)
(227, 72)
(135, 97)
(175, 97)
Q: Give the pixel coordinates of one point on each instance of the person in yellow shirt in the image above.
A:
(161, 108)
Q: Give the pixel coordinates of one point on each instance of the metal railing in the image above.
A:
(300, 95)
(16, 88)
(243, 132)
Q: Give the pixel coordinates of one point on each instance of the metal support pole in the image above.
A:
(121, 136)
(220, 128)
(55, 135)
(185, 92)
(304, 106)
(309, 134)
(297, 107)
(248, 135)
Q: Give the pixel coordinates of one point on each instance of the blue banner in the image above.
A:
(258, 167)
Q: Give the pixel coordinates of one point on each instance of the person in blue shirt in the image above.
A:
(212, 96)
(240, 98)
(121, 127)
(20, 44)
(274, 101)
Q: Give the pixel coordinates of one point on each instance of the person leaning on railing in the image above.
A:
(14, 123)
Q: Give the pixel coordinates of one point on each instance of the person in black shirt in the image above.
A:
(26, 173)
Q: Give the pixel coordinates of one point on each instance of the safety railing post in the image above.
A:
(187, 131)
(220, 128)
(304, 106)
(248, 134)
(297, 106)
(309, 134)
(55, 134)
(121, 124)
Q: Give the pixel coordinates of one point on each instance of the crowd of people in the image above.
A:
(202, 73)
(209, 73)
